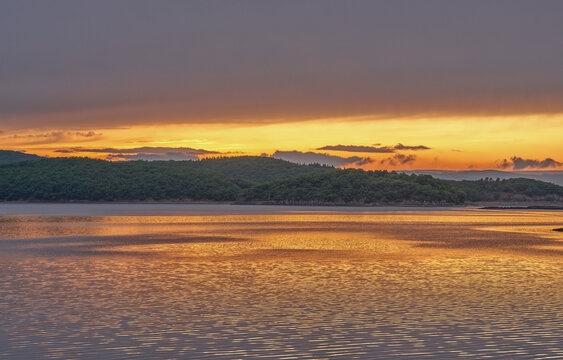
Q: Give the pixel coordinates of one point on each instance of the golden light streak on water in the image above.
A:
(283, 284)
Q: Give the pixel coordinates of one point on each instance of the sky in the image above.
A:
(392, 85)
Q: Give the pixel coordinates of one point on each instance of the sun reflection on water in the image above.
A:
(442, 284)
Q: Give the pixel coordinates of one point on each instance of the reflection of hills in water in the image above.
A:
(289, 283)
(553, 176)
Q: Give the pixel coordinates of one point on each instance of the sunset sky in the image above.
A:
(397, 84)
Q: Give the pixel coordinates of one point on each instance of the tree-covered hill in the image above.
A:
(61, 179)
(247, 179)
(357, 187)
(9, 157)
(254, 169)
(518, 189)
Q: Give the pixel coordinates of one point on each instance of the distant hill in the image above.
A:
(552, 176)
(9, 157)
(507, 190)
(249, 179)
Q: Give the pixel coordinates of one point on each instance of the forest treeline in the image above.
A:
(247, 179)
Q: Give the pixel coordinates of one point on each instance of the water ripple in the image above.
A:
(408, 287)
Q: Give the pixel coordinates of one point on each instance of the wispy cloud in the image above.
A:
(358, 148)
(518, 163)
(373, 148)
(146, 149)
(319, 158)
(85, 134)
(364, 161)
(177, 156)
(52, 134)
(144, 153)
(55, 137)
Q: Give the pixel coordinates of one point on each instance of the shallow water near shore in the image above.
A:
(95, 281)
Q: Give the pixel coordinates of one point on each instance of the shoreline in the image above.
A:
(529, 207)
(220, 209)
(494, 205)
(192, 209)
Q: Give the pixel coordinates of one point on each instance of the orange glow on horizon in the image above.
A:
(455, 144)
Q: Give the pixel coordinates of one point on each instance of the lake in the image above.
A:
(153, 281)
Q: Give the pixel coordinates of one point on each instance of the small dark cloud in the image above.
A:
(64, 151)
(319, 158)
(399, 159)
(373, 149)
(364, 161)
(518, 163)
(400, 146)
(84, 134)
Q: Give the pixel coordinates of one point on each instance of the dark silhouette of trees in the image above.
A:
(247, 179)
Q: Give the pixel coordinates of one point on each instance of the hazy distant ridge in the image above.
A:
(9, 157)
(552, 176)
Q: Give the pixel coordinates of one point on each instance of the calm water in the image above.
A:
(236, 282)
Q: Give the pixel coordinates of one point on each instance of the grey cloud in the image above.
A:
(54, 137)
(318, 158)
(364, 161)
(372, 149)
(38, 139)
(518, 163)
(504, 164)
(131, 62)
(52, 134)
(85, 134)
(399, 159)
